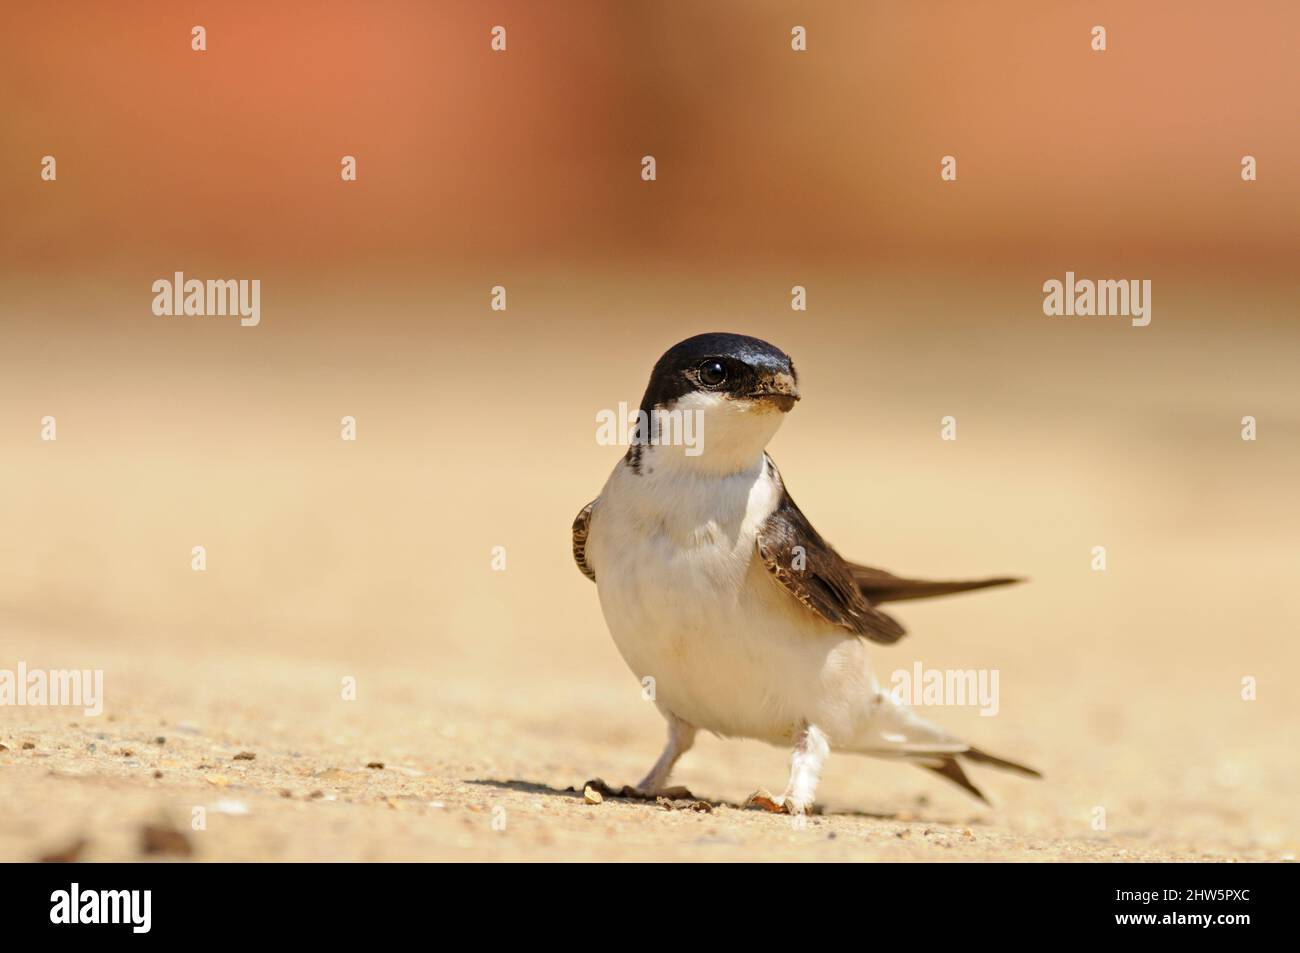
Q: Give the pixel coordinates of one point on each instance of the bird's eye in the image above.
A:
(712, 373)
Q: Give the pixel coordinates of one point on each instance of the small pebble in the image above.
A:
(164, 839)
(591, 795)
(65, 855)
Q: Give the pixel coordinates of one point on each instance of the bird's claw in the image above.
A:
(785, 804)
(764, 801)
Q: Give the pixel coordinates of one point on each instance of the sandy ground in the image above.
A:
(486, 699)
(463, 781)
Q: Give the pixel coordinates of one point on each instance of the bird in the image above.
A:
(714, 584)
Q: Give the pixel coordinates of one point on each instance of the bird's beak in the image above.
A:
(780, 389)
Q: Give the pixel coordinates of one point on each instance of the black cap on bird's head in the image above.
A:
(730, 366)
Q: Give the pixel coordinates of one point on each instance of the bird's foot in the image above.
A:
(766, 802)
(785, 804)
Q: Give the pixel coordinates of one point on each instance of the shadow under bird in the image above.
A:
(714, 583)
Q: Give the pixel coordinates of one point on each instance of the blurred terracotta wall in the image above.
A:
(232, 155)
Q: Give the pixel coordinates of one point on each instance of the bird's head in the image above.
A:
(736, 389)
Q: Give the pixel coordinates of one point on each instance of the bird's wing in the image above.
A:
(806, 567)
(580, 526)
(880, 586)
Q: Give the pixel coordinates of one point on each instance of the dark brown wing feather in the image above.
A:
(880, 586)
(806, 566)
(580, 524)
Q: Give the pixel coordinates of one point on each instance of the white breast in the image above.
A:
(689, 604)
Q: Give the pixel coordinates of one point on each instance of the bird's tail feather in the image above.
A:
(983, 757)
(897, 731)
(880, 586)
(950, 769)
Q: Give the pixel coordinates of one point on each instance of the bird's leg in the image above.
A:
(681, 736)
(810, 751)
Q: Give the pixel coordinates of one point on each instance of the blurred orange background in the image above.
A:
(522, 169)
(230, 157)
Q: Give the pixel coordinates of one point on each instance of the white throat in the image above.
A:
(727, 436)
